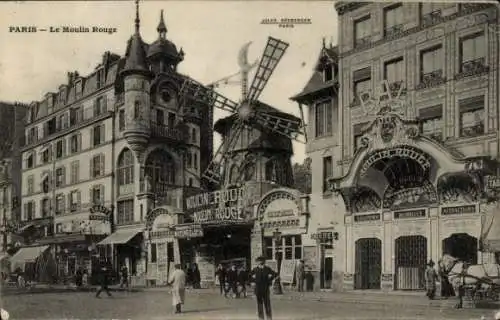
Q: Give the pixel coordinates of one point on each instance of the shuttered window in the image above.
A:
(472, 116)
(98, 134)
(97, 194)
(97, 166)
(323, 118)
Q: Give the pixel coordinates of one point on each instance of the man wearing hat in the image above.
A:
(263, 277)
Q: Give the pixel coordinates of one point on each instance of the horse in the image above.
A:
(480, 278)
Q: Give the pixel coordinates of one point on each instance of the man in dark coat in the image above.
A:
(221, 274)
(232, 279)
(263, 277)
(104, 282)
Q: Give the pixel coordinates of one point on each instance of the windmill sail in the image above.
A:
(490, 228)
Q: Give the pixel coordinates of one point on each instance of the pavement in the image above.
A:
(155, 303)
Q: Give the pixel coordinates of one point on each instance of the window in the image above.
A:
(75, 171)
(121, 120)
(98, 134)
(328, 73)
(31, 184)
(100, 78)
(97, 194)
(393, 19)
(97, 166)
(472, 117)
(59, 177)
(125, 211)
(137, 110)
(100, 106)
(431, 122)
(59, 204)
(74, 200)
(46, 155)
(153, 253)
(394, 70)
(431, 63)
(194, 136)
(327, 171)
(75, 116)
(30, 161)
(195, 160)
(125, 168)
(362, 88)
(59, 149)
(323, 113)
(29, 210)
(288, 248)
(362, 31)
(45, 208)
(472, 52)
(46, 184)
(160, 117)
(171, 120)
(74, 142)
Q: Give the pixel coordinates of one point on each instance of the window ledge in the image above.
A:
(467, 140)
(472, 73)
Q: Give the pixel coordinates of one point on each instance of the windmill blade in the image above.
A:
(286, 127)
(273, 52)
(193, 90)
(213, 172)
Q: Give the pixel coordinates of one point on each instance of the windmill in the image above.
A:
(250, 112)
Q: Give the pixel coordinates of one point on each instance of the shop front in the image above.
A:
(326, 239)
(408, 199)
(283, 220)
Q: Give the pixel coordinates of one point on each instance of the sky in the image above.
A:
(211, 34)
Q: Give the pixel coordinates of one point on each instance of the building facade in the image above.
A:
(97, 150)
(417, 136)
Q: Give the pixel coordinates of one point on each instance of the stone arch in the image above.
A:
(161, 167)
(175, 156)
(283, 193)
(365, 199)
(154, 213)
(458, 187)
(125, 167)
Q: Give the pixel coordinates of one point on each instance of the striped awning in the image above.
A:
(28, 254)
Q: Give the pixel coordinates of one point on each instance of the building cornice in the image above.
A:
(345, 6)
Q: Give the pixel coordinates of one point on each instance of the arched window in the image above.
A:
(160, 167)
(125, 169)
(137, 109)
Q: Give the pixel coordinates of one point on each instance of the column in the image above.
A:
(349, 255)
(387, 277)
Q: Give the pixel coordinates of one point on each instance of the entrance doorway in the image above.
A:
(229, 242)
(411, 258)
(461, 246)
(368, 263)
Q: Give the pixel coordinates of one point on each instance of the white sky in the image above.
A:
(210, 32)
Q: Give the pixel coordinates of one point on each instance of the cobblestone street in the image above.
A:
(156, 304)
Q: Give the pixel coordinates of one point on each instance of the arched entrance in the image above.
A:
(410, 259)
(461, 246)
(368, 262)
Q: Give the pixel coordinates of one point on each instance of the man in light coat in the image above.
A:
(300, 275)
(178, 282)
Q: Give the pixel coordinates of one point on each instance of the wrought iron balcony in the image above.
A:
(472, 131)
(393, 31)
(431, 80)
(166, 132)
(361, 42)
(431, 18)
(472, 68)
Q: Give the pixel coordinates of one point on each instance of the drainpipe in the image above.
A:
(113, 181)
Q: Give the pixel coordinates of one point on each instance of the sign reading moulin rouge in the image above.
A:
(218, 206)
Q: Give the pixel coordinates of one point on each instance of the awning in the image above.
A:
(26, 227)
(28, 254)
(120, 237)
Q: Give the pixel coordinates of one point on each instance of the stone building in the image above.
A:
(107, 148)
(418, 143)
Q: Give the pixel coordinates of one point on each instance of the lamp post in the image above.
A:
(277, 289)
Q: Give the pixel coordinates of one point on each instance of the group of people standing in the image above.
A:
(233, 280)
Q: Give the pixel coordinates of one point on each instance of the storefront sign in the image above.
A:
(100, 209)
(409, 214)
(280, 213)
(193, 231)
(287, 271)
(367, 217)
(492, 182)
(281, 223)
(325, 235)
(215, 198)
(218, 215)
(458, 210)
(91, 226)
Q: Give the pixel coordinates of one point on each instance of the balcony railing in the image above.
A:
(362, 41)
(431, 18)
(163, 131)
(431, 79)
(472, 68)
(393, 31)
(472, 131)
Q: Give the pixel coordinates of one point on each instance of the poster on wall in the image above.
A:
(311, 258)
(287, 271)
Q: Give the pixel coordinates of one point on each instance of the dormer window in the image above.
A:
(328, 73)
(78, 88)
(62, 97)
(100, 78)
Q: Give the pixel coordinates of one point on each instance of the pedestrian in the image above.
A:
(221, 275)
(178, 282)
(104, 282)
(446, 287)
(85, 278)
(232, 279)
(124, 276)
(430, 280)
(78, 277)
(242, 280)
(300, 274)
(195, 274)
(263, 277)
